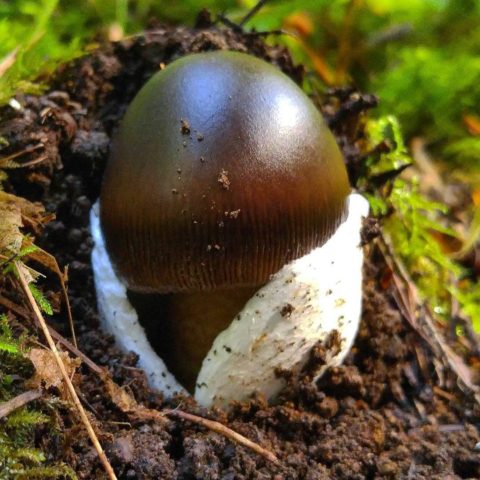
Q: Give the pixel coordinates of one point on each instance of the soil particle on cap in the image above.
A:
(223, 179)
(233, 213)
(185, 127)
(391, 411)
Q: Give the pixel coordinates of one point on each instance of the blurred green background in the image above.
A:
(421, 57)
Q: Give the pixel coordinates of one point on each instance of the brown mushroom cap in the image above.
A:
(222, 172)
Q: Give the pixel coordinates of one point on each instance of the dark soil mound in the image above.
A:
(394, 410)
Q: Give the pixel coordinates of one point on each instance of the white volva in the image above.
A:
(306, 302)
(119, 318)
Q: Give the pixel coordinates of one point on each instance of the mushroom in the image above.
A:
(226, 193)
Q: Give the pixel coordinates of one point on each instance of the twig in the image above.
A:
(252, 12)
(238, 27)
(221, 429)
(23, 152)
(19, 401)
(266, 33)
(11, 164)
(67, 304)
(9, 259)
(8, 304)
(93, 437)
(22, 312)
(392, 33)
(228, 23)
(90, 363)
(320, 64)
(127, 404)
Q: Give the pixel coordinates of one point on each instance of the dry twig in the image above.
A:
(256, 8)
(221, 429)
(129, 405)
(93, 437)
(19, 401)
(20, 153)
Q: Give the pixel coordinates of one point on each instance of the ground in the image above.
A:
(394, 410)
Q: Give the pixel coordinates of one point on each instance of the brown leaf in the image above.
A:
(29, 274)
(120, 397)
(127, 404)
(32, 212)
(44, 258)
(47, 372)
(10, 223)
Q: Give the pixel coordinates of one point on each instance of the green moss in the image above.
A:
(19, 456)
(411, 221)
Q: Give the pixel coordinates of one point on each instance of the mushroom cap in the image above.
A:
(222, 172)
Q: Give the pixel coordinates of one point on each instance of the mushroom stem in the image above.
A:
(182, 327)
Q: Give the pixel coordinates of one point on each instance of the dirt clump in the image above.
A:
(391, 411)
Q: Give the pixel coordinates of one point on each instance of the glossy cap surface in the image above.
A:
(222, 172)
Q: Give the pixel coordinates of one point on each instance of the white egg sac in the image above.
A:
(314, 300)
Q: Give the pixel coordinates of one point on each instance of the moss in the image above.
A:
(19, 456)
(411, 221)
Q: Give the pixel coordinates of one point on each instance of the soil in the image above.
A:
(392, 411)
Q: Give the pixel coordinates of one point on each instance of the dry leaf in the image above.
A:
(29, 274)
(10, 223)
(120, 397)
(13, 210)
(27, 208)
(45, 259)
(47, 372)
(127, 404)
